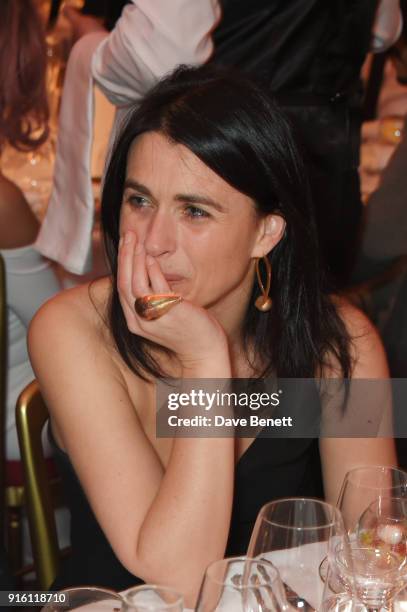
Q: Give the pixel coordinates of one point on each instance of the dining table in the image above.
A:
(298, 582)
(301, 583)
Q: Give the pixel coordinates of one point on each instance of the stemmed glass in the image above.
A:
(296, 535)
(379, 552)
(78, 598)
(241, 584)
(371, 575)
(152, 598)
(383, 525)
(400, 600)
(365, 485)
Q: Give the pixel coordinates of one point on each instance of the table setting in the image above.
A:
(304, 554)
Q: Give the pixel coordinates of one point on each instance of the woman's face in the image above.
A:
(204, 233)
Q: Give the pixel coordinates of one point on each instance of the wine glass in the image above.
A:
(152, 598)
(372, 575)
(365, 485)
(400, 600)
(383, 525)
(80, 597)
(361, 487)
(296, 534)
(241, 584)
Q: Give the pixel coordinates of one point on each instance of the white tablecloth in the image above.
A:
(302, 583)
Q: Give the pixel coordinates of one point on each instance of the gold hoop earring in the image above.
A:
(264, 302)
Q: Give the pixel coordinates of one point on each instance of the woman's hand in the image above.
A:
(188, 330)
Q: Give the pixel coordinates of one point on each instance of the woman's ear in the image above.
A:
(270, 231)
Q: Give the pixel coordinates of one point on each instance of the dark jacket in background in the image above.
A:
(309, 53)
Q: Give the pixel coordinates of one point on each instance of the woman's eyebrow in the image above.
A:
(195, 198)
(132, 184)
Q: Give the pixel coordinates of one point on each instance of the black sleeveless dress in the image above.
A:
(269, 469)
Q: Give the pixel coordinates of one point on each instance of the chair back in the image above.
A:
(31, 415)
(3, 377)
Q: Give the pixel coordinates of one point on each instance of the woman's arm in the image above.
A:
(339, 455)
(150, 39)
(165, 525)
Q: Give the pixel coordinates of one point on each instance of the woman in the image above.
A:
(30, 279)
(204, 180)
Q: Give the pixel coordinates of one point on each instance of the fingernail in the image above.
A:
(127, 237)
(150, 260)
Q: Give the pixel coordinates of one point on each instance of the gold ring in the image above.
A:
(152, 307)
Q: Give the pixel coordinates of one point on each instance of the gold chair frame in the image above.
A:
(3, 372)
(40, 491)
(11, 497)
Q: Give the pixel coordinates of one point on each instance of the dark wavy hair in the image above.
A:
(236, 129)
(23, 100)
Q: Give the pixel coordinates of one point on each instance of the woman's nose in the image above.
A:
(160, 236)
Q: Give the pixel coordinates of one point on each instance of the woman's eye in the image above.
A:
(138, 201)
(195, 212)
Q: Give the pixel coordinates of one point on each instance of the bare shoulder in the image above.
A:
(358, 325)
(74, 321)
(341, 454)
(366, 347)
(81, 307)
(75, 362)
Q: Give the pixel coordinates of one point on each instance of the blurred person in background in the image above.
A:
(310, 53)
(381, 265)
(30, 279)
(380, 276)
